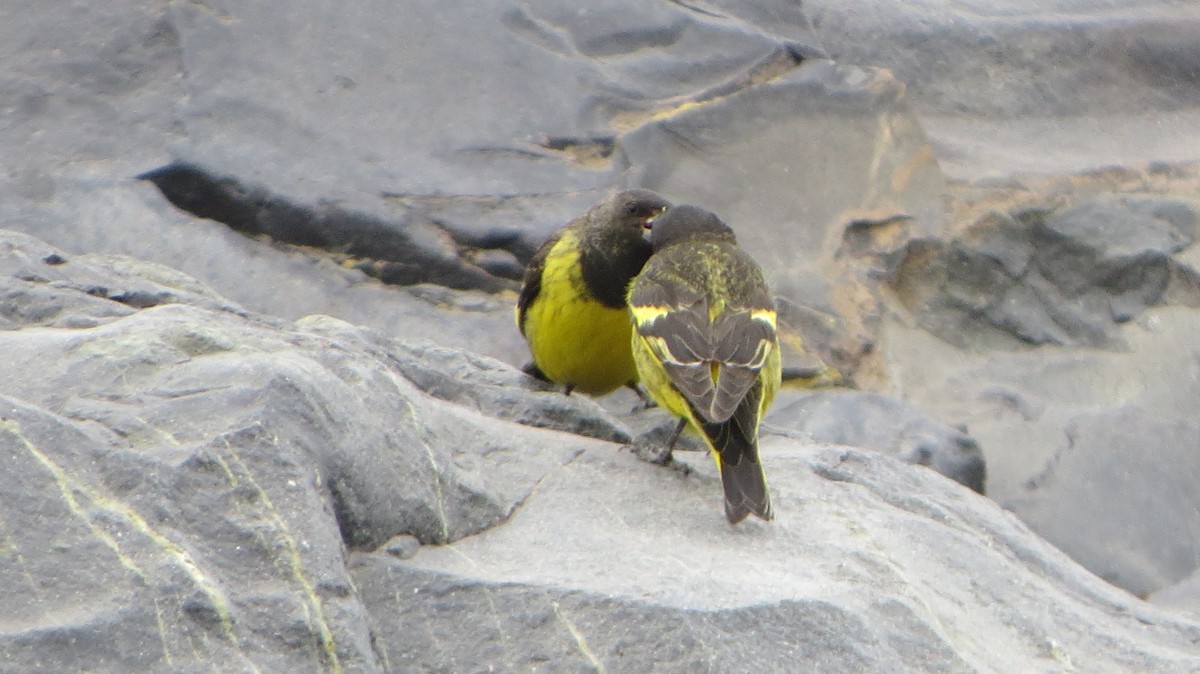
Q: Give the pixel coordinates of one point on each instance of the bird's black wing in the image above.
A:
(743, 339)
(684, 346)
(532, 285)
(712, 361)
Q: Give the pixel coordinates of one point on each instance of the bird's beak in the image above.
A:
(649, 224)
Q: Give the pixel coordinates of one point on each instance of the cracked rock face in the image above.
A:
(238, 446)
(209, 468)
(1065, 277)
(193, 483)
(1032, 86)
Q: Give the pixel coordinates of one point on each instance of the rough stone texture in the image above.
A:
(1033, 86)
(1066, 312)
(1066, 276)
(207, 469)
(811, 213)
(187, 477)
(271, 381)
(609, 58)
(846, 580)
(882, 424)
(330, 130)
(1039, 416)
(326, 136)
(1056, 56)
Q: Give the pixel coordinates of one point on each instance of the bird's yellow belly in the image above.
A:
(583, 344)
(575, 340)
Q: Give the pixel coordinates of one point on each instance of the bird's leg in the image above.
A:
(675, 437)
(534, 371)
(568, 389)
(647, 401)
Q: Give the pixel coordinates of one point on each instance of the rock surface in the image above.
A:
(1046, 321)
(1068, 351)
(1033, 86)
(881, 424)
(849, 579)
(276, 129)
(208, 469)
(1182, 596)
(190, 483)
(1067, 276)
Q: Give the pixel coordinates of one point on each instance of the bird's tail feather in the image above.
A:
(745, 491)
(742, 476)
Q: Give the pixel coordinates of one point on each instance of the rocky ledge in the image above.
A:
(260, 398)
(190, 483)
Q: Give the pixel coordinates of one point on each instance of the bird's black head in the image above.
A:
(636, 208)
(684, 222)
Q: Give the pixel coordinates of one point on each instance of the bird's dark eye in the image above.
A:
(642, 211)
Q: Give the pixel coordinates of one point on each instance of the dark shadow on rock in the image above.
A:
(1044, 276)
(392, 254)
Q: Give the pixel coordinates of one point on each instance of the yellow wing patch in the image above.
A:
(767, 316)
(646, 314)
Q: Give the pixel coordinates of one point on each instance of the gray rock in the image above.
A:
(1033, 86)
(137, 554)
(871, 566)
(425, 171)
(403, 546)
(450, 175)
(278, 381)
(1084, 444)
(882, 424)
(466, 127)
(1118, 497)
(1182, 596)
(801, 202)
(1092, 447)
(482, 384)
(1060, 277)
(868, 174)
(208, 468)
(45, 287)
(191, 484)
(330, 128)
(1048, 58)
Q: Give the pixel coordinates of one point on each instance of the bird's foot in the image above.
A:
(646, 401)
(660, 456)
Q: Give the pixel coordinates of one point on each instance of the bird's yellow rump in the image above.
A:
(572, 308)
(705, 346)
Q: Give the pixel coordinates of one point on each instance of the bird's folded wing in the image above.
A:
(742, 341)
(672, 320)
(712, 363)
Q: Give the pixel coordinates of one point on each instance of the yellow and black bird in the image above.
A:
(705, 346)
(572, 307)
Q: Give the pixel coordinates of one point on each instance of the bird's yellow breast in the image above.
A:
(575, 340)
